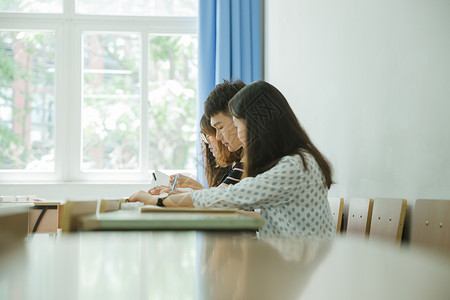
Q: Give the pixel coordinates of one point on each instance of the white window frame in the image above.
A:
(68, 28)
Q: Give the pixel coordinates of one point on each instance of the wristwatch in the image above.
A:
(161, 199)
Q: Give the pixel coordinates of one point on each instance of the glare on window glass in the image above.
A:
(27, 100)
(137, 7)
(111, 101)
(32, 6)
(172, 97)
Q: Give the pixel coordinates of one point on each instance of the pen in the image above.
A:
(156, 181)
(174, 186)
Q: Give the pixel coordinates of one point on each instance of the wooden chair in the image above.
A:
(337, 206)
(44, 217)
(122, 201)
(359, 216)
(13, 226)
(431, 225)
(73, 210)
(109, 205)
(388, 217)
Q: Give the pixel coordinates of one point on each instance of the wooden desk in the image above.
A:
(192, 265)
(135, 220)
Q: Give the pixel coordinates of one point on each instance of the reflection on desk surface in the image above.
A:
(193, 265)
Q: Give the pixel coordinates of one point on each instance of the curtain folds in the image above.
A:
(229, 48)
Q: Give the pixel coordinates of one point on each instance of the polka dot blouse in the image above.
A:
(293, 201)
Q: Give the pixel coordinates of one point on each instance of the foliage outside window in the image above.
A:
(124, 124)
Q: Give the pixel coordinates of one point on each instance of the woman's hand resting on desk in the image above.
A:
(144, 197)
(186, 182)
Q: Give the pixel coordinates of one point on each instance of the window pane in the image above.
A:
(137, 7)
(111, 101)
(172, 94)
(32, 6)
(27, 100)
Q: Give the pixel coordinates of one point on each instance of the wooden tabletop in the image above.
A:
(209, 265)
(170, 220)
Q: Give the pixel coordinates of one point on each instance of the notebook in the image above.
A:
(153, 208)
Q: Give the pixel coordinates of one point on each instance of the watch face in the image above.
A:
(163, 195)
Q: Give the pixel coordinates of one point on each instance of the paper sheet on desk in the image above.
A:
(162, 178)
(153, 208)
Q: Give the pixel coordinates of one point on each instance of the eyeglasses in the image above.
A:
(204, 138)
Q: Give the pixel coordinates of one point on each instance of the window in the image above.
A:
(97, 90)
(27, 102)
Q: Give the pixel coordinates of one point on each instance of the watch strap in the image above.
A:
(160, 202)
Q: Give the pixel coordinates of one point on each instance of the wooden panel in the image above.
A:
(47, 215)
(73, 211)
(359, 216)
(109, 205)
(337, 206)
(431, 225)
(388, 218)
(121, 201)
(60, 215)
(13, 226)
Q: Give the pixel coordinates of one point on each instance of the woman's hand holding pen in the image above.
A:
(164, 189)
(186, 182)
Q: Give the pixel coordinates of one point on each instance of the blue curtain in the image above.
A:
(229, 48)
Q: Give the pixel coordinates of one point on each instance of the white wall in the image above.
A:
(370, 82)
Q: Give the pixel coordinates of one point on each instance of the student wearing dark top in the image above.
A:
(217, 159)
(222, 131)
(216, 109)
(234, 175)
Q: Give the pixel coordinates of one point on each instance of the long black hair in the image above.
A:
(272, 130)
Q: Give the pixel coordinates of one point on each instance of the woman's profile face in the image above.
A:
(241, 130)
(213, 145)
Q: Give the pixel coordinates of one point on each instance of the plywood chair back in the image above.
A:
(337, 206)
(74, 210)
(122, 201)
(431, 225)
(109, 205)
(359, 216)
(388, 218)
(13, 226)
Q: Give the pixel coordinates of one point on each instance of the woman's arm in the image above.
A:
(179, 200)
(183, 199)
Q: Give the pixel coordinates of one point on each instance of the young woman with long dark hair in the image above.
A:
(286, 176)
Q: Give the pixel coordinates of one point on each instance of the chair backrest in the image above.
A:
(13, 226)
(337, 206)
(431, 225)
(359, 216)
(109, 205)
(388, 218)
(73, 210)
(122, 201)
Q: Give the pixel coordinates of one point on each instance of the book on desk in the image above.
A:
(154, 208)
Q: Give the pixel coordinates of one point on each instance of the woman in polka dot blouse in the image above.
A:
(285, 175)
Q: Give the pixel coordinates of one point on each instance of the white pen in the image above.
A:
(175, 180)
(156, 180)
